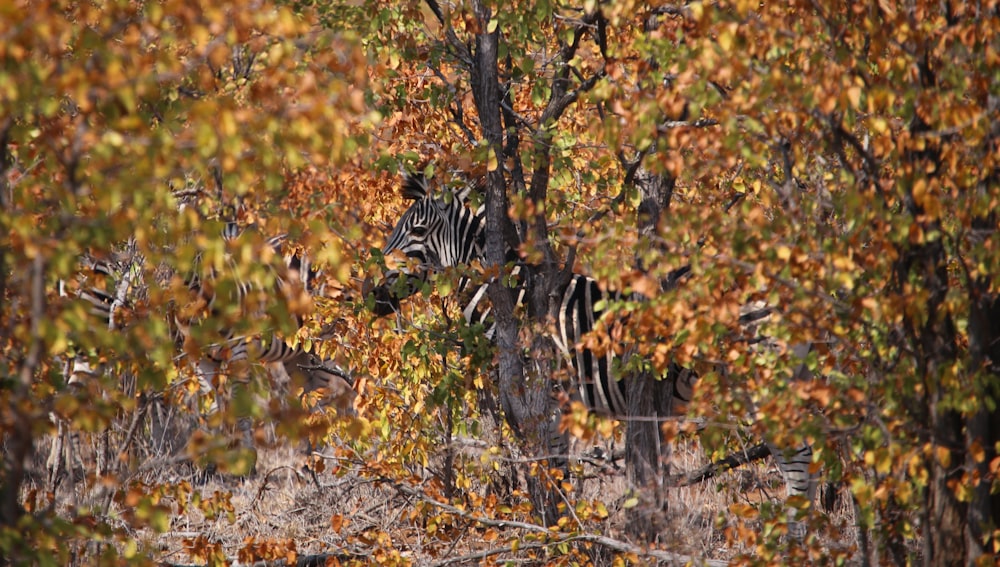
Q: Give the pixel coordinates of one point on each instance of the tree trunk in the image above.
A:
(984, 426)
(647, 459)
(525, 400)
(932, 337)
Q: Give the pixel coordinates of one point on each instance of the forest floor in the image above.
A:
(284, 511)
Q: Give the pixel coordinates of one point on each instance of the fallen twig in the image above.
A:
(556, 538)
(755, 453)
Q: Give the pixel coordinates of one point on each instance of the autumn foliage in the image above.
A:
(837, 163)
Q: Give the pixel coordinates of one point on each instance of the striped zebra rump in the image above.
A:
(111, 295)
(295, 279)
(477, 307)
(599, 380)
(795, 463)
(593, 374)
(105, 288)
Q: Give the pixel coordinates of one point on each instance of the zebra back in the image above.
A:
(293, 278)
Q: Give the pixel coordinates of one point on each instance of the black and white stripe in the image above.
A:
(264, 347)
(436, 232)
(442, 230)
(294, 274)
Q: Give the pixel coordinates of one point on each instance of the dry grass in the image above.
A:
(352, 516)
(357, 513)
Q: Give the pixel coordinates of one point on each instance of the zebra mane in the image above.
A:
(417, 186)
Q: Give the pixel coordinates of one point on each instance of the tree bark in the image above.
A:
(647, 459)
(525, 399)
(932, 337)
(984, 426)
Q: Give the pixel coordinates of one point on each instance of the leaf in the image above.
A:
(492, 163)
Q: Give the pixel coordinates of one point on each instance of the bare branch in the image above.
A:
(556, 538)
(456, 108)
(456, 48)
(671, 11)
(514, 115)
(556, 107)
(699, 123)
(730, 462)
(472, 557)
(631, 167)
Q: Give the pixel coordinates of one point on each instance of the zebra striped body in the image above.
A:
(442, 231)
(267, 347)
(294, 276)
(436, 232)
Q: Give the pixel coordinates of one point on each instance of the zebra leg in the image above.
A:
(210, 402)
(795, 466)
(205, 370)
(240, 391)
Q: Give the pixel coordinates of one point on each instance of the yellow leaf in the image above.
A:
(920, 191)
(337, 522)
(743, 510)
(697, 10)
(491, 160)
(977, 452)
(995, 466)
(884, 464)
(943, 456)
(854, 96)
(726, 40)
(645, 286)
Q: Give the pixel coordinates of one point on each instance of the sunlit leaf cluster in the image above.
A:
(835, 165)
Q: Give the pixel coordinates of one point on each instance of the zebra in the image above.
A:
(441, 230)
(296, 275)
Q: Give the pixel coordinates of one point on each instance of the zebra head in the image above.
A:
(438, 230)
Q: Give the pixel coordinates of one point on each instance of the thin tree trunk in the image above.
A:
(984, 426)
(525, 400)
(647, 459)
(933, 339)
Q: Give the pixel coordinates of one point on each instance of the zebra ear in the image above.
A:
(415, 187)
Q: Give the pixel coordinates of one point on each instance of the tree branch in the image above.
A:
(730, 462)
(556, 106)
(458, 49)
(556, 538)
(456, 107)
(699, 123)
